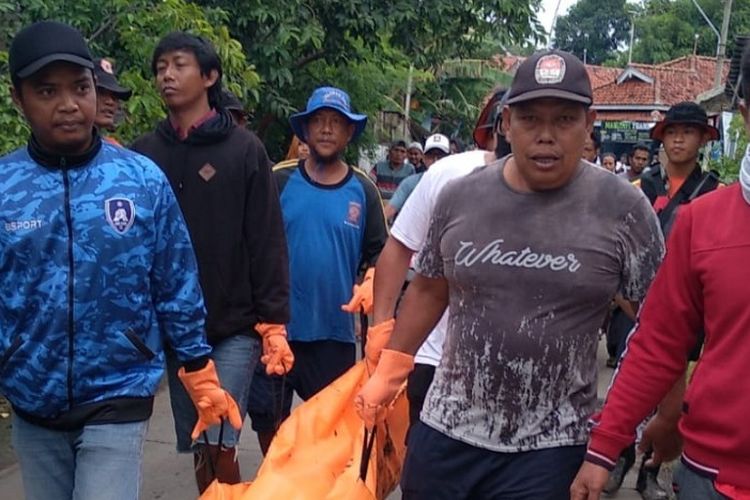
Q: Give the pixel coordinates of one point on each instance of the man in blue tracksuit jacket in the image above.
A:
(97, 273)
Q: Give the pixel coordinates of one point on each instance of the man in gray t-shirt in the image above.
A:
(530, 276)
(528, 251)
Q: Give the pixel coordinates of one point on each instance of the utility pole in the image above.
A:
(723, 42)
(632, 38)
(552, 27)
(407, 105)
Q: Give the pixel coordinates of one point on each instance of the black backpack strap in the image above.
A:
(658, 178)
(690, 189)
(709, 182)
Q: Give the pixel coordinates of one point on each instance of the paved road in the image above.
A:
(169, 476)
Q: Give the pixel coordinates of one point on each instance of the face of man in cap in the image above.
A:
(547, 137)
(414, 155)
(107, 105)
(328, 134)
(59, 102)
(683, 141)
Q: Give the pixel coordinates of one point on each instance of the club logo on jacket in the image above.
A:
(353, 214)
(120, 213)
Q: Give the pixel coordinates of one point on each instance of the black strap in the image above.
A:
(364, 324)
(367, 445)
(209, 458)
(658, 176)
(278, 400)
(690, 189)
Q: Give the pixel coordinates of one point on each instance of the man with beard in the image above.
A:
(335, 229)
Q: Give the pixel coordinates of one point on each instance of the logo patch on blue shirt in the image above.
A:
(120, 214)
(353, 214)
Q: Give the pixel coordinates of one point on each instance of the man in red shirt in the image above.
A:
(702, 284)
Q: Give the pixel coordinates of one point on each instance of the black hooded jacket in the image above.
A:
(221, 175)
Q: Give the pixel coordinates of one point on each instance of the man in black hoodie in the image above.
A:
(222, 178)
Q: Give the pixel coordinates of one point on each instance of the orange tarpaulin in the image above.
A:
(317, 451)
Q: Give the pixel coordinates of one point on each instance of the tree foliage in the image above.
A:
(668, 29)
(304, 43)
(122, 31)
(599, 26)
(275, 53)
(664, 29)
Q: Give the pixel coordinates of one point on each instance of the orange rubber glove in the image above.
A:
(277, 355)
(379, 392)
(377, 338)
(362, 295)
(211, 401)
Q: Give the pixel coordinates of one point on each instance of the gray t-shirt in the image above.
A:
(531, 276)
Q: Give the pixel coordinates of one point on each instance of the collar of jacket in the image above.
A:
(54, 160)
(211, 131)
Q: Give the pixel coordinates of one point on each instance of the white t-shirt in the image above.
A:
(413, 221)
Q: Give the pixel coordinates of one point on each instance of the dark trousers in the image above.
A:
(440, 468)
(316, 364)
(419, 382)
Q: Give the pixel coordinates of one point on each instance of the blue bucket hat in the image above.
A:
(331, 98)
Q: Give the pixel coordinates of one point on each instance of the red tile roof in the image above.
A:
(674, 81)
(599, 75)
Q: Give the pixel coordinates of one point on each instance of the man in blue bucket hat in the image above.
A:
(335, 227)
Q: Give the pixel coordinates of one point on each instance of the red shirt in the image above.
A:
(704, 281)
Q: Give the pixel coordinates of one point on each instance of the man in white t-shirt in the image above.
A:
(407, 237)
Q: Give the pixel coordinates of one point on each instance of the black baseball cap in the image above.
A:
(687, 113)
(105, 79)
(551, 73)
(45, 42)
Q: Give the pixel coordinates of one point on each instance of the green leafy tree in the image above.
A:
(304, 43)
(600, 27)
(729, 166)
(668, 29)
(127, 32)
(274, 54)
